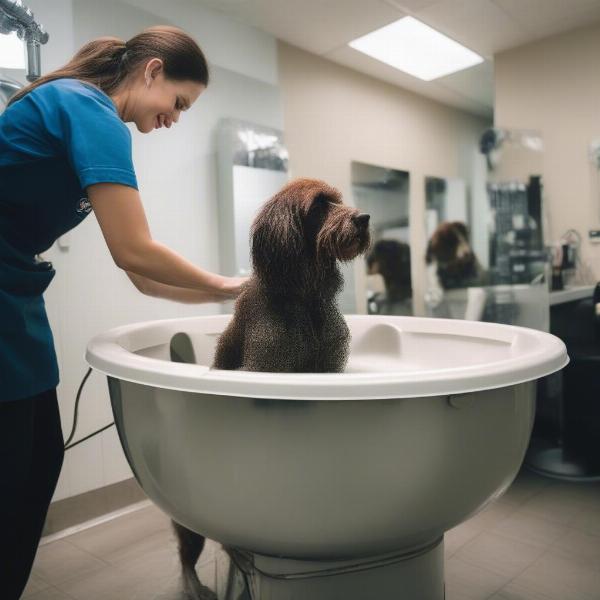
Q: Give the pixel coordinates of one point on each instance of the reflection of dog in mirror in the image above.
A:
(456, 263)
(286, 319)
(391, 259)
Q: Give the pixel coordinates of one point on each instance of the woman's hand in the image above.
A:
(233, 286)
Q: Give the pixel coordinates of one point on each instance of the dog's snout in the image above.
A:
(362, 220)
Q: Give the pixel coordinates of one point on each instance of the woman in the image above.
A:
(64, 151)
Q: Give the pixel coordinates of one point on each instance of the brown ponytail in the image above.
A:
(106, 62)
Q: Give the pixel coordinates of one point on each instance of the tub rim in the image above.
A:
(106, 354)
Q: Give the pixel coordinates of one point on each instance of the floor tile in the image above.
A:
(553, 578)
(112, 583)
(491, 515)
(578, 546)
(499, 554)
(35, 584)
(556, 503)
(588, 519)
(106, 539)
(49, 593)
(465, 581)
(529, 527)
(456, 538)
(526, 485)
(586, 492)
(60, 561)
(150, 556)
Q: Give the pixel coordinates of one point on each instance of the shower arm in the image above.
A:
(14, 16)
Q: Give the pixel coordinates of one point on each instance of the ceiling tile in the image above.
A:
(411, 6)
(437, 91)
(477, 24)
(477, 83)
(314, 25)
(542, 18)
(226, 6)
(534, 12)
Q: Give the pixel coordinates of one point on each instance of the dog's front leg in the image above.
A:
(190, 546)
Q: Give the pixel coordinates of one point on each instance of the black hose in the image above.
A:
(87, 437)
(68, 445)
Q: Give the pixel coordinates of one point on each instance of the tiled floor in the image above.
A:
(540, 541)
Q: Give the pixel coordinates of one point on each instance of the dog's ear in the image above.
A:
(278, 234)
(461, 228)
(277, 241)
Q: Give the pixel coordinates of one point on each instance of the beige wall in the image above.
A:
(554, 86)
(334, 115)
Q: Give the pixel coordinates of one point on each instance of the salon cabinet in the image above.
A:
(565, 442)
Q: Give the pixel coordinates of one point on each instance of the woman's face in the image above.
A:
(154, 101)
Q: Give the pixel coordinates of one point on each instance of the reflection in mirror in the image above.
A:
(253, 165)
(452, 264)
(514, 189)
(505, 279)
(383, 193)
(519, 260)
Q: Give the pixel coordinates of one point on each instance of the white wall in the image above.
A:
(176, 172)
(227, 43)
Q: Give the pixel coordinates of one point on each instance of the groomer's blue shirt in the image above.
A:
(54, 142)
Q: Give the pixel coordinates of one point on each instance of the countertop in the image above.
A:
(571, 293)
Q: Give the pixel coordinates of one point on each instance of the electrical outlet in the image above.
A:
(594, 236)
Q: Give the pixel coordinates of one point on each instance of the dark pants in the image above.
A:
(31, 456)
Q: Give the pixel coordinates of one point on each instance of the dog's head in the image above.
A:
(449, 243)
(391, 259)
(306, 226)
(449, 248)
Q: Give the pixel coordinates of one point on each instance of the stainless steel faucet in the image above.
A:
(15, 16)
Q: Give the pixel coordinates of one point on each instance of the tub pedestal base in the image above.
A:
(418, 575)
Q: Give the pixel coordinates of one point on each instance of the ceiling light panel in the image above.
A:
(417, 49)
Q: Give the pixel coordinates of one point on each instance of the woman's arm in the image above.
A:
(171, 292)
(122, 220)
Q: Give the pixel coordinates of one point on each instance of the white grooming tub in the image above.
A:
(337, 485)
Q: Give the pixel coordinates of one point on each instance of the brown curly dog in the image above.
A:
(286, 318)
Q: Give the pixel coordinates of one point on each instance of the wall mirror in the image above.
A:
(486, 259)
(384, 194)
(253, 166)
